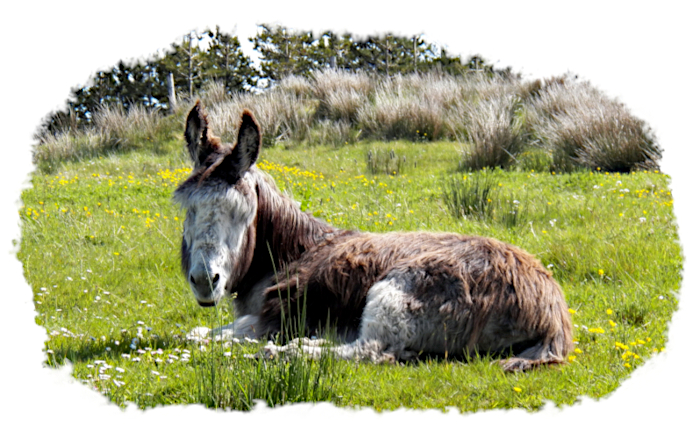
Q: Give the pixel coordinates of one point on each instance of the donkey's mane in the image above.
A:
(281, 225)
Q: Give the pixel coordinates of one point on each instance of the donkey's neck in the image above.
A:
(283, 231)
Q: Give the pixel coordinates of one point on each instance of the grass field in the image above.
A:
(100, 249)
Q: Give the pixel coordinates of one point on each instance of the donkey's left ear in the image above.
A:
(199, 144)
(248, 146)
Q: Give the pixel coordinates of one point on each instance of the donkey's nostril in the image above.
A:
(203, 281)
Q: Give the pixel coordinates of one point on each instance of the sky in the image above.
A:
(639, 52)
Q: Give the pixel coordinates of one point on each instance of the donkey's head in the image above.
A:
(221, 203)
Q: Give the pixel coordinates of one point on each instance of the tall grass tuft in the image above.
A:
(476, 196)
(298, 86)
(512, 211)
(236, 382)
(212, 93)
(384, 161)
(494, 133)
(582, 128)
(473, 196)
(114, 130)
(341, 94)
(281, 114)
(399, 113)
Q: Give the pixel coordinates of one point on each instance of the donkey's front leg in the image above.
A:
(243, 327)
(312, 348)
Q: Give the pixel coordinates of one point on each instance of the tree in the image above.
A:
(283, 53)
(337, 51)
(225, 62)
(184, 60)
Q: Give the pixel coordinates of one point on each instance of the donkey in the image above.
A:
(393, 296)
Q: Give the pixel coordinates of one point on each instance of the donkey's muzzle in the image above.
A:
(204, 285)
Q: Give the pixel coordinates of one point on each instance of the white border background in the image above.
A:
(641, 53)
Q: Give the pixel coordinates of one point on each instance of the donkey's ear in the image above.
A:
(197, 134)
(248, 146)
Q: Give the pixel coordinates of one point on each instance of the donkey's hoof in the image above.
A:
(270, 351)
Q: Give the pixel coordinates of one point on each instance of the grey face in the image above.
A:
(218, 219)
(221, 205)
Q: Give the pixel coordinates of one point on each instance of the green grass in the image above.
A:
(100, 249)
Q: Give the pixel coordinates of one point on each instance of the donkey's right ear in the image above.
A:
(197, 135)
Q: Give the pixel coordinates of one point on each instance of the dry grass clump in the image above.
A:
(493, 132)
(415, 106)
(607, 137)
(114, 129)
(583, 128)
(400, 114)
(281, 114)
(212, 93)
(298, 86)
(341, 94)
